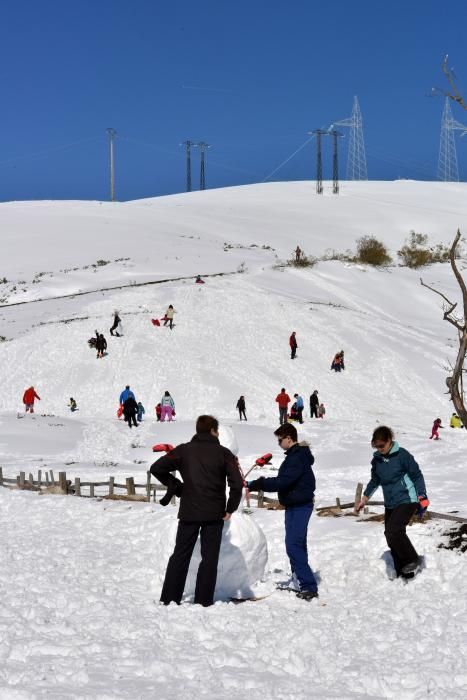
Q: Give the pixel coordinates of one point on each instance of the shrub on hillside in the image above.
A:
(372, 252)
(303, 261)
(415, 253)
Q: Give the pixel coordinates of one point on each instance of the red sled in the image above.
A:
(265, 459)
(162, 447)
(120, 412)
(155, 322)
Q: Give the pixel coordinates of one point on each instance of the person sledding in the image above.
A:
(434, 430)
(169, 316)
(396, 471)
(206, 468)
(293, 415)
(198, 280)
(101, 345)
(116, 328)
(295, 487)
(338, 362)
(167, 407)
(28, 399)
(293, 345)
(130, 409)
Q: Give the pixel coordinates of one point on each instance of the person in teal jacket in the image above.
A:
(404, 491)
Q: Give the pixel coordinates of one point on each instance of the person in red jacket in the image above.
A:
(283, 399)
(28, 399)
(293, 345)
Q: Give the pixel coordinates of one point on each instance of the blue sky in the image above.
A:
(249, 77)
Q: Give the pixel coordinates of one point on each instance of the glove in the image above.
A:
(165, 500)
(423, 504)
(252, 485)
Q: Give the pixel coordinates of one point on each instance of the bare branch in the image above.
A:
(459, 278)
(449, 311)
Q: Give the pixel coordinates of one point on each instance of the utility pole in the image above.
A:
(112, 133)
(356, 159)
(335, 165)
(188, 144)
(202, 177)
(447, 162)
(319, 160)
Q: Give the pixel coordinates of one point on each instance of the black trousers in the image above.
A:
(395, 521)
(313, 410)
(169, 321)
(241, 412)
(177, 569)
(293, 352)
(300, 415)
(128, 419)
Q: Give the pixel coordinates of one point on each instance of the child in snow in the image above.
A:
(455, 421)
(116, 325)
(404, 491)
(321, 410)
(140, 412)
(158, 411)
(434, 430)
(337, 363)
(167, 407)
(72, 405)
(101, 345)
(169, 316)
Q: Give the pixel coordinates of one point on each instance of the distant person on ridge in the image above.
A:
(241, 407)
(283, 399)
(314, 403)
(298, 252)
(169, 316)
(293, 345)
(198, 280)
(28, 399)
(116, 326)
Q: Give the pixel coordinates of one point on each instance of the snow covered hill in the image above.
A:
(230, 338)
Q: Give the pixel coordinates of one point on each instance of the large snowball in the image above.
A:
(242, 560)
(227, 438)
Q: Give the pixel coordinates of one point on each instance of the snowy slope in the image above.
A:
(78, 619)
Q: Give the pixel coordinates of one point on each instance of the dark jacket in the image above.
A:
(295, 482)
(101, 343)
(241, 404)
(399, 475)
(130, 407)
(314, 400)
(204, 466)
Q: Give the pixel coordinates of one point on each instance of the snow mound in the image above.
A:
(242, 561)
(227, 438)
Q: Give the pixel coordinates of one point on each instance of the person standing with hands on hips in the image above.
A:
(404, 491)
(295, 486)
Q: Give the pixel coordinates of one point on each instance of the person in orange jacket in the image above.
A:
(283, 399)
(28, 399)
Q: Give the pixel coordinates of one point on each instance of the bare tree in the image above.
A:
(455, 380)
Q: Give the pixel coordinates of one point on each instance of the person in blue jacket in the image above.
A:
(300, 406)
(126, 394)
(404, 491)
(295, 486)
(141, 411)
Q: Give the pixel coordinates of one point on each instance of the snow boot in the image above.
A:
(307, 595)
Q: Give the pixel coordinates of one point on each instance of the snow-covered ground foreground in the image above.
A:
(81, 578)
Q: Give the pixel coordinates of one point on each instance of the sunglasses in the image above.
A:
(380, 446)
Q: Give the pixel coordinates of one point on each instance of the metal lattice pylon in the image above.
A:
(447, 161)
(356, 160)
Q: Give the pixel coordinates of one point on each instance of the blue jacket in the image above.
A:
(299, 402)
(126, 393)
(295, 482)
(398, 474)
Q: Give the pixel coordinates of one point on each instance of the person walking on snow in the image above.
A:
(205, 467)
(116, 325)
(314, 403)
(169, 316)
(434, 429)
(298, 253)
(101, 345)
(167, 407)
(125, 394)
(241, 407)
(396, 471)
(141, 411)
(283, 400)
(293, 345)
(299, 407)
(130, 408)
(28, 399)
(295, 485)
(321, 410)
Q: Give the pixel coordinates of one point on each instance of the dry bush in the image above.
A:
(372, 252)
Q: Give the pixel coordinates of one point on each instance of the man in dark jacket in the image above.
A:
(314, 403)
(295, 486)
(130, 409)
(204, 466)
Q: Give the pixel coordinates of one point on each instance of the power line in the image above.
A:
(289, 158)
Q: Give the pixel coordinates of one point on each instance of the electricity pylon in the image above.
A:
(319, 159)
(356, 159)
(188, 144)
(202, 176)
(447, 161)
(335, 163)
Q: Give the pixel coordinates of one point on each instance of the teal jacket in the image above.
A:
(399, 476)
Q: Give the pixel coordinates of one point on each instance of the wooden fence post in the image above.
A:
(62, 481)
(148, 486)
(77, 486)
(31, 479)
(130, 486)
(1, 476)
(111, 485)
(358, 496)
(260, 499)
(39, 478)
(22, 478)
(91, 490)
(52, 477)
(338, 504)
(46, 479)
